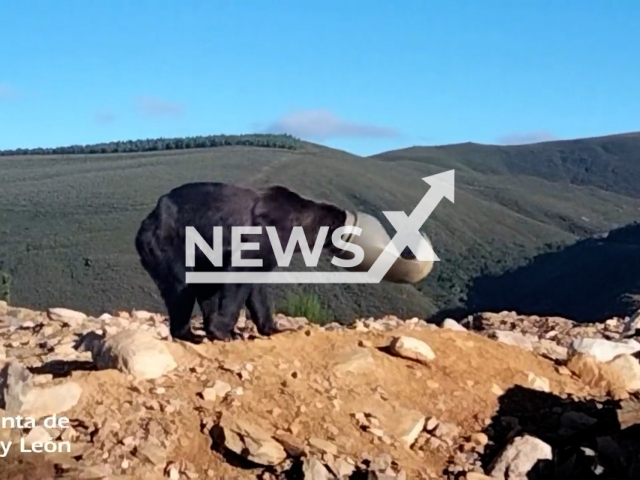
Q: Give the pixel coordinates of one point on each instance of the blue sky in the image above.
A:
(363, 76)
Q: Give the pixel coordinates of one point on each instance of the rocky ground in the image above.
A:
(494, 396)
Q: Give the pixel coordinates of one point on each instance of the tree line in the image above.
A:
(159, 144)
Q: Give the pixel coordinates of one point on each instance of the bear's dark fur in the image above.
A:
(160, 243)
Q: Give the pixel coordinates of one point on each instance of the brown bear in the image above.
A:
(160, 243)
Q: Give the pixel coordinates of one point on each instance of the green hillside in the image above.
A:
(67, 222)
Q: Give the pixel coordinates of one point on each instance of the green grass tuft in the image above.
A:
(5, 287)
(308, 305)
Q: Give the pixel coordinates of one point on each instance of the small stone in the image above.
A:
(411, 348)
(477, 476)
(323, 445)
(551, 350)
(603, 350)
(313, 469)
(152, 452)
(538, 383)
(332, 429)
(218, 391)
(42, 379)
(381, 463)
(355, 361)
(513, 338)
(21, 397)
(37, 434)
(67, 317)
(629, 369)
(293, 446)
(94, 472)
(249, 440)
(598, 375)
(451, 324)
(142, 315)
(135, 352)
(479, 439)
(447, 432)
(519, 457)
(343, 467)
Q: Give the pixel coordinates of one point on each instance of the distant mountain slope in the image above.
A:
(610, 163)
(67, 223)
(593, 279)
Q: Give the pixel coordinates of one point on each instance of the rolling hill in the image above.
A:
(67, 221)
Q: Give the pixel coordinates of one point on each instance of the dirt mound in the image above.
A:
(316, 403)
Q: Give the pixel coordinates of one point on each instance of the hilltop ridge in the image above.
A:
(67, 221)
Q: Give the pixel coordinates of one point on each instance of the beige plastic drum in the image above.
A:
(373, 240)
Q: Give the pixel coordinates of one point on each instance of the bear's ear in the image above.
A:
(280, 207)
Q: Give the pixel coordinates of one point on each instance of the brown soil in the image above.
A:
(294, 375)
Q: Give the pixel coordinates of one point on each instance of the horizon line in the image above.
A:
(7, 151)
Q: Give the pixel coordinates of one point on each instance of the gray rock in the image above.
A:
(403, 424)
(313, 469)
(603, 350)
(538, 383)
(412, 349)
(21, 397)
(67, 317)
(135, 352)
(550, 349)
(38, 434)
(249, 440)
(629, 369)
(218, 391)
(516, 339)
(152, 452)
(343, 467)
(631, 324)
(323, 445)
(95, 472)
(519, 457)
(451, 324)
(355, 361)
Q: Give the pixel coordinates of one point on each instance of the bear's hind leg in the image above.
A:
(207, 301)
(220, 324)
(180, 303)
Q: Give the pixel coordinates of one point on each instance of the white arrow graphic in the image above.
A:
(407, 228)
(407, 234)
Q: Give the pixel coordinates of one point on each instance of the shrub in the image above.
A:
(5, 287)
(308, 305)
